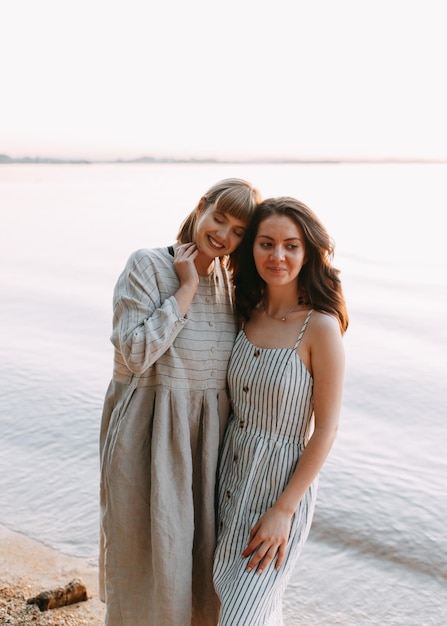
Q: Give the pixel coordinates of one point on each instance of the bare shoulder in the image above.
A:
(324, 323)
(321, 344)
(324, 333)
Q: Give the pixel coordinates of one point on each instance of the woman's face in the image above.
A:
(218, 234)
(279, 250)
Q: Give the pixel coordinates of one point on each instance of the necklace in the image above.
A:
(283, 318)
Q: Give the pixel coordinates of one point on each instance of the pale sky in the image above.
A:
(216, 78)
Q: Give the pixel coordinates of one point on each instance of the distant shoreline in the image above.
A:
(7, 160)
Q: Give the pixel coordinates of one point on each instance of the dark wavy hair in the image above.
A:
(319, 282)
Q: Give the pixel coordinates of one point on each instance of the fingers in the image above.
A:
(268, 540)
(281, 556)
(252, 546)
(253, 541)
(262, 559)
(185, 251)
(184, 256)
(265, 545)
(264, 553)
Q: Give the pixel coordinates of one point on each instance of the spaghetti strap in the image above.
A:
(303, 328)
(272, 418)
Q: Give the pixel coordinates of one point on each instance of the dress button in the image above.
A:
(228, 494)
(242, 424)
(210, 323)
(245, 388)
(235, 458)
(213, 373)
(212, 349)
(256, 353)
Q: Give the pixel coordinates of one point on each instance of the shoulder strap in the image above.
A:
(303, 328)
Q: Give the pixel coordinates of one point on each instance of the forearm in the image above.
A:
(147, 316)
(270, 534)
(142, 341)
(309, 465)
(184, 296)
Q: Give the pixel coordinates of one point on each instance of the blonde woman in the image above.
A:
(163, 417)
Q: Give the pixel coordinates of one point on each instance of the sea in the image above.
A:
(377, 550)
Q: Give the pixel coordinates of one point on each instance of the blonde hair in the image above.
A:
(234, 196)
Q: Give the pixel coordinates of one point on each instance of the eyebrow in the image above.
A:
(225, 215)
(288, 239)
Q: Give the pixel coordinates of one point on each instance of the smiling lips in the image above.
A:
(215, 244)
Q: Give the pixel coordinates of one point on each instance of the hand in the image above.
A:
(184, 257)
(268, 538)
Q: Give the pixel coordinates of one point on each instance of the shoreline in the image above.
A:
(28, 568)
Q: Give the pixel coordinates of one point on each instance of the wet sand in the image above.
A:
(28, 568)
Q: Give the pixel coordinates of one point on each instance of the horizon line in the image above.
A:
(6, 159)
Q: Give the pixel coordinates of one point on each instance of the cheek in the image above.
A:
(199, 227)
(258, 262)
(234, 242)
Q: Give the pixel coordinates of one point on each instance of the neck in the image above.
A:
(204, 265)
(280, 299)
(278, 306)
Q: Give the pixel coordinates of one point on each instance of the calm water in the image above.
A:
(377, 553)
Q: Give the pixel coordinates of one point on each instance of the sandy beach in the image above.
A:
(28, 568)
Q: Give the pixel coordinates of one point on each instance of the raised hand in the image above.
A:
(184, 257)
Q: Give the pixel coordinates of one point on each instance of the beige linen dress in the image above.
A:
(164, 415)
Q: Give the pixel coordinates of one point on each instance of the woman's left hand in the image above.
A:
(268, 538)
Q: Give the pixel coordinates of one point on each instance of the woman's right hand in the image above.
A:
(184, 257)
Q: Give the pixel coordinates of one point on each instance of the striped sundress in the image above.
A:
(272, 398)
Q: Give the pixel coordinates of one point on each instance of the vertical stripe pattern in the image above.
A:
(272, 398)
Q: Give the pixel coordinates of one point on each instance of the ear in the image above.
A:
(202, 203)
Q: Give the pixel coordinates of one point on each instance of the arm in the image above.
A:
(147, 318)
(269, 536)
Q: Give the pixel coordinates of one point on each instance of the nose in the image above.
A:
(224, 232)
(277, 252)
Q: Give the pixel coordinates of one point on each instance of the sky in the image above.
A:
(122, 79)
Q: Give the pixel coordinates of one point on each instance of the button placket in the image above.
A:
(213, 372)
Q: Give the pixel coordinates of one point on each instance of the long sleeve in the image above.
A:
(146, 317)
